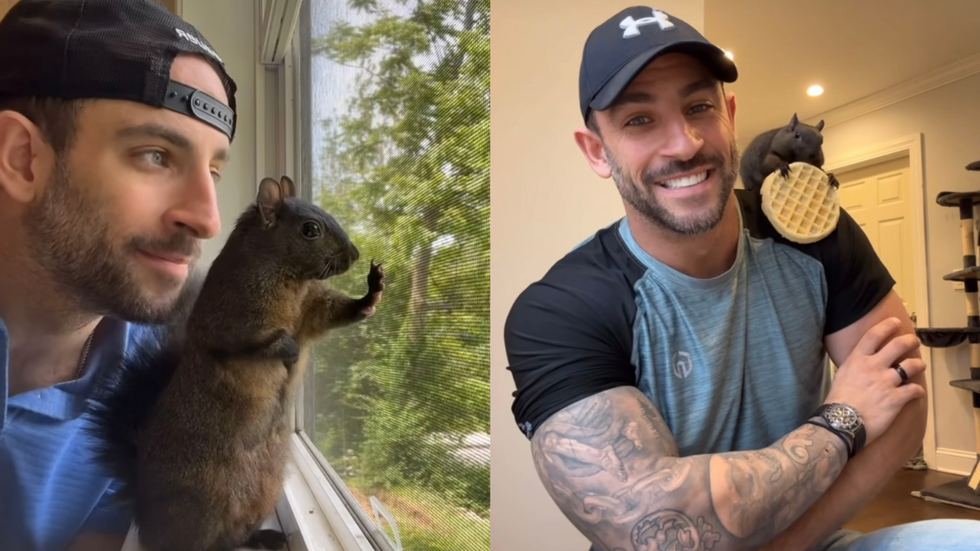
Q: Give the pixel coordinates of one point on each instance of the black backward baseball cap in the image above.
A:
(618, 50)
(108, 49)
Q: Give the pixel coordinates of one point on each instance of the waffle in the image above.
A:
(804, 207)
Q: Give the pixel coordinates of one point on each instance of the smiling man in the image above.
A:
(116, 119)
(669, 370)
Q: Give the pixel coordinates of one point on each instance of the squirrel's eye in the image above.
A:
(797, 134)
(311, 230)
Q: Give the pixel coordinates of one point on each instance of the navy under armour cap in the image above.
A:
(618, 50)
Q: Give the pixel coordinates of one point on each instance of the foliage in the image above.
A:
(407, 169)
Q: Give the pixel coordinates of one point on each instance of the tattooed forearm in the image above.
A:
(611, 464)
(760, 493)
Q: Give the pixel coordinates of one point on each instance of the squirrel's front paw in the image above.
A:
(267, 539)
(833, 181)
(784, 170)
(376, 286)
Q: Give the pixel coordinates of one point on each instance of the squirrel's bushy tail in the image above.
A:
(122, 403)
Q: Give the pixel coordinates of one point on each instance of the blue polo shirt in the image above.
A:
(50, 486)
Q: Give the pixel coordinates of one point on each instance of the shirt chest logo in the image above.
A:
(681, 364)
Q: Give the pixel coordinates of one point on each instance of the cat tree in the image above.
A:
(964, 492)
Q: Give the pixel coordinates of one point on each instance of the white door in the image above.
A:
(878, 198)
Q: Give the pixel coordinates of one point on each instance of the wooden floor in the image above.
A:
(895, 504)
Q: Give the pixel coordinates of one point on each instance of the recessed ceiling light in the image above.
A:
(814, 90)
(729, 55)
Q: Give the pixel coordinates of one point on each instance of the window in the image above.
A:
(396, 145)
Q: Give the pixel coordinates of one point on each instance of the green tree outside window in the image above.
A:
(402, 401)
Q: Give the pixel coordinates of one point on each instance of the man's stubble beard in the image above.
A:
(68, 235)
(644, 201)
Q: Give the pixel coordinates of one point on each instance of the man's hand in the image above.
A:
(868, 383)
(867, 473)
(612, 466)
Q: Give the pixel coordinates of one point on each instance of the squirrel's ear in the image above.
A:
(794, 121)
(288, 187)
(269, 200)
(820, 126)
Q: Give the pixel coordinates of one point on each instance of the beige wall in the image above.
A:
(5, 6)
(173, 5)
(949, 120)
(545, 199)
(230, 27)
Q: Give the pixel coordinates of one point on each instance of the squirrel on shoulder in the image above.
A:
(195, 423)
(776, 149)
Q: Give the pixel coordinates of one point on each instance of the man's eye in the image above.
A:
(635, 121)
(216, 176)
(158, 158)
(701, 107)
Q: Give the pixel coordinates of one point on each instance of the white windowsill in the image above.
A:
(323, 522)
(308, 511)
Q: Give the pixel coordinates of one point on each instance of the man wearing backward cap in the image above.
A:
(116, 120)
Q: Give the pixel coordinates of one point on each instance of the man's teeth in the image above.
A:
(686, 181)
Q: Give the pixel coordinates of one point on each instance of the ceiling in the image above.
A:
(851, 49)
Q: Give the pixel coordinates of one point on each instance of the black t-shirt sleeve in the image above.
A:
(857, 279)
(567, 337)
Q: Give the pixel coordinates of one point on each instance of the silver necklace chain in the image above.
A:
(85, 349)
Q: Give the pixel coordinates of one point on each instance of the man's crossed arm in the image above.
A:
(868, 472)
(611, 464)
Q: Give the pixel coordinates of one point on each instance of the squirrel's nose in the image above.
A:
(353, 253)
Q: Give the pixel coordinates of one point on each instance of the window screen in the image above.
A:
(397, 108)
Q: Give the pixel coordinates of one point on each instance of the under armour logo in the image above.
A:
(527, 428)
(681, 365)
(632, 26)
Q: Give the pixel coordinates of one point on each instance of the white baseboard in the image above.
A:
(954, 461)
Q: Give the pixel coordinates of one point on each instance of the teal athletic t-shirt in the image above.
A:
(733, 363)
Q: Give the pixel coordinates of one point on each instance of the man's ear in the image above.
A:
(591, 145)
(24, 157)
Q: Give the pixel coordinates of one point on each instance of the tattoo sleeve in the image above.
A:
(612, 466)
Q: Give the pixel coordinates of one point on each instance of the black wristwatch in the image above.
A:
(846, 422)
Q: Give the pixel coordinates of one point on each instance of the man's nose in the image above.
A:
(683, 141)
(196, 210)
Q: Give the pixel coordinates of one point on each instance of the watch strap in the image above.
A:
(847, 442)
(859, 436)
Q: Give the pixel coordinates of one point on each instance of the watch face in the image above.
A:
(842, 417)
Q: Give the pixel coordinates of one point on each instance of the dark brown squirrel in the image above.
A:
(195, 424)
(776, 149)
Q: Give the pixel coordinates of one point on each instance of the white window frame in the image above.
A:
(317, 510)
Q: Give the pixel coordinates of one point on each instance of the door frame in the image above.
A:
(908, 146)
